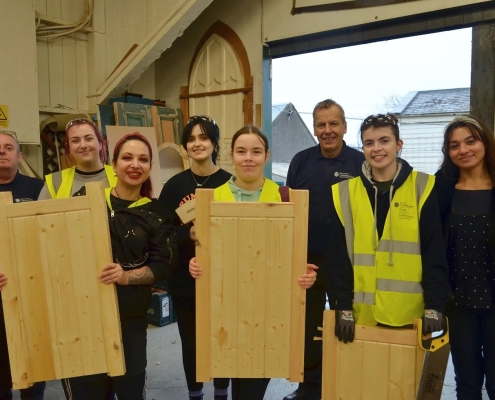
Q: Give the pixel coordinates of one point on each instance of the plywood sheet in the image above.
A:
(381, 363)
(250, 307)
(61, 322)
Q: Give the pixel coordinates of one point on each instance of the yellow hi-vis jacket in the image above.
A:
(62, 189)
(269, 193)
(387, 272)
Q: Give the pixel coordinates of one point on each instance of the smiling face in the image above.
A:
(133, 165)
(9, 153)
(380, 149)
(465, 150)
(85, 147)
(249, 157)
(329, 129)
(199, 145)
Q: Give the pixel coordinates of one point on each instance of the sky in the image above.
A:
(361, 77)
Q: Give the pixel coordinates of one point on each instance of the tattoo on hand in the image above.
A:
(141, 276)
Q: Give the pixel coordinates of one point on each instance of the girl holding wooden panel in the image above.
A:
(200, 139)
(85, 143)
(144, 250)
(250, 153)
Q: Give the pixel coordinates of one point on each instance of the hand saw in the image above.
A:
(437, 350)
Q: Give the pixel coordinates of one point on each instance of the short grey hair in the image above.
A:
(327, 104)
(12, 135)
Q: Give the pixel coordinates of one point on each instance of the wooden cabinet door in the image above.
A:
(168, 124)
(129, 114)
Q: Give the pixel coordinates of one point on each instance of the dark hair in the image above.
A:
(99, 136)
(327, 104)
(379, 121)
(479, 131)
(146, 187)
(208, 127)
(250, 129)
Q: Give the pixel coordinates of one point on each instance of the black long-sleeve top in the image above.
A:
(340, 279)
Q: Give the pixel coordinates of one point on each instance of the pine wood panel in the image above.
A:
(375, 366)
(250, 307)
(60, 321)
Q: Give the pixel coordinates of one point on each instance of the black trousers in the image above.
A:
(249, 388)
(185, 311)
(98, 387)
(315, 305)
(472, 341)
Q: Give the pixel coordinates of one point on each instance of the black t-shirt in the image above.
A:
(310, 170)
(177, 191)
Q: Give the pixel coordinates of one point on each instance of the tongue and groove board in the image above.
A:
(380, 364)
(60, 321)
(250, 308)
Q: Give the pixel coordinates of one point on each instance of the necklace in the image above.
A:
(477, 183)
(200, 184)
(117, 193)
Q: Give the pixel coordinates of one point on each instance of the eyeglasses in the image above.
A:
(79, 121)
(138, 263)
(203, 117)
(383, 118)
(10, 133)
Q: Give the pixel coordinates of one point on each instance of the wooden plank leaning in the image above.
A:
(60, 321)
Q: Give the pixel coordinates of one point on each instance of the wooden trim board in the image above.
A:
(60, 321)
(250, 309)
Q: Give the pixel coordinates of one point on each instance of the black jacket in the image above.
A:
(340, 279)
(140, 236)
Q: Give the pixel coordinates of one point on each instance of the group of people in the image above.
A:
(386, 244)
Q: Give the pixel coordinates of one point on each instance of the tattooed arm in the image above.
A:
(113, 273)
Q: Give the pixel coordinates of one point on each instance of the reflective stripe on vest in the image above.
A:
(269, 193)
(388, 294)
(59, 184)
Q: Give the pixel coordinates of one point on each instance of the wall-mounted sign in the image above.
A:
(306, 6)
(4, 116)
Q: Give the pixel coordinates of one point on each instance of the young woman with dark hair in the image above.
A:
(85, 143)
(144, 250)
(386, 266)
(465, 186)
(250, 153)
(200, 139)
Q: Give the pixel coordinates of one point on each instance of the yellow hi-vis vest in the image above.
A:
(387, 272)
(67, 175)
(269, 193)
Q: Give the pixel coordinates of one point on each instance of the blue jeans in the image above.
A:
(472, 341)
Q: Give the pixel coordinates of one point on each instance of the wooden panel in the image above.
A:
(168, 124)
(350, 370)
(43, 74)
(257, 210)
(60, 321)
(127, 114)
(173, 159)
(249, 289)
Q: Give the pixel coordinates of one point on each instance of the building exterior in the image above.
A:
(423, 116)
(290, 135)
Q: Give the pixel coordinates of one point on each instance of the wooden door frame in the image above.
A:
(229, 35)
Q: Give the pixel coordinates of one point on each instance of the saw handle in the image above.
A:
(430, 343)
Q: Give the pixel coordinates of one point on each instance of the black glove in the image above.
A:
(344, 325)
(432, 322)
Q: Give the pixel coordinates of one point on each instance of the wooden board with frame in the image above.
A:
(250, 309)
(60, 321)
(381, 363)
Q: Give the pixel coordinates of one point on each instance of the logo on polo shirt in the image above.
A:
(342, 175)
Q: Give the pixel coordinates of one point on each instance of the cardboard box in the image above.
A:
(160, 311)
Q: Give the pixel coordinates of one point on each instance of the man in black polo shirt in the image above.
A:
(23, 188)
(317, 169)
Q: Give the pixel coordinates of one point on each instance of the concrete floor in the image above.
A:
(166, 377)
